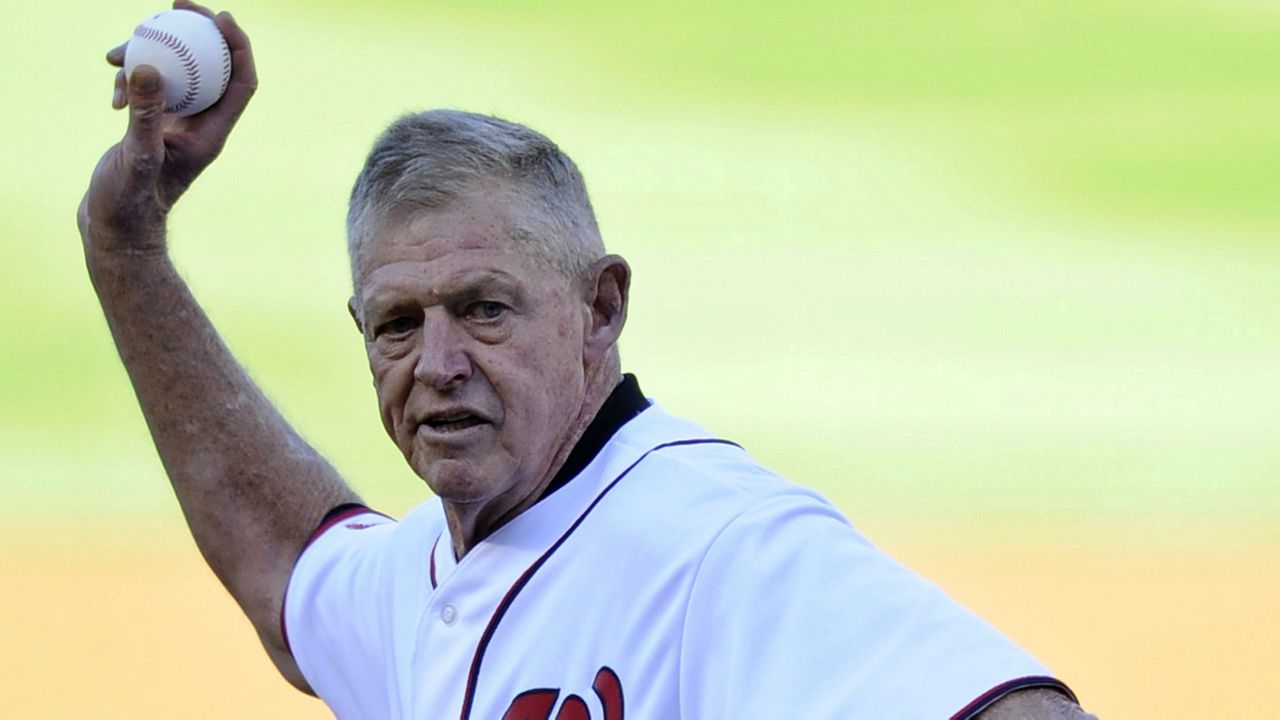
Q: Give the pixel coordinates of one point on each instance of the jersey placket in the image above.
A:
(448, 628)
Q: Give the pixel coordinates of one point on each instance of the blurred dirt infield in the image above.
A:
(117, 629)
(1138, 633)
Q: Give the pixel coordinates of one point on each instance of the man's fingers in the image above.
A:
(120, 97)
(115, 55)
(144, 141)
(82, 216)
(188, 5)
(242, 84)
(243, 72)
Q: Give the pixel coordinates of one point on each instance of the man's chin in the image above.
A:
(457, 480)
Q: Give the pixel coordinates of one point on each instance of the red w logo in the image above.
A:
(538, 704)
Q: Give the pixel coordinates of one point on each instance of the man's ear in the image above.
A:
(355, 314)
(607, 283)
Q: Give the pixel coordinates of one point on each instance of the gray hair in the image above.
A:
(426, 160)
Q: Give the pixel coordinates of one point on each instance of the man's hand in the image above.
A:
(139, 179)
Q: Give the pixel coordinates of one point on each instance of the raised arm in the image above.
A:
(251, 489)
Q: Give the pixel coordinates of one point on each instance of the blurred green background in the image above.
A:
(991, 273)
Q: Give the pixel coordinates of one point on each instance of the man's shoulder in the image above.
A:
(684, 487)
(679, 457)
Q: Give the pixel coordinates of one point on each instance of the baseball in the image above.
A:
(190, 53)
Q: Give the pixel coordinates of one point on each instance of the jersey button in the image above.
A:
(448, 614)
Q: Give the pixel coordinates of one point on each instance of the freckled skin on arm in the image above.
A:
(1035, 704)
(250, 488)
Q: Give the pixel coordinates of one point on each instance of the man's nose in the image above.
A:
(443, 362)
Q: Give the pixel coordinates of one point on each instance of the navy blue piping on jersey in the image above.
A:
(474, 674)
(434, 545)
(990, 697)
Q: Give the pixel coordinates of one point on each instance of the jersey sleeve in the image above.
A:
(331, 620)
(794, 614)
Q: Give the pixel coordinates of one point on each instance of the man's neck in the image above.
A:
(469, 524)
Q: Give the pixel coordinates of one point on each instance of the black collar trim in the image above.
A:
(625, 402)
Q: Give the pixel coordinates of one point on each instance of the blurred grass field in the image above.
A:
(1000, 278)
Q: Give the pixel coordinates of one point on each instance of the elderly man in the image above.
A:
(588, 555)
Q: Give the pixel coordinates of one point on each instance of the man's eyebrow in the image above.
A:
(482, 280)
(476, 285)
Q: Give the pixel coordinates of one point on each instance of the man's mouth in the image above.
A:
(453, 421)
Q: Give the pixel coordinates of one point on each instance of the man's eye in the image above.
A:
(485, 310)
(398, 326)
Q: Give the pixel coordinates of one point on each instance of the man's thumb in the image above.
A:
(144, 141)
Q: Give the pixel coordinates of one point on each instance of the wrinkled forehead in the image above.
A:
(486, 224)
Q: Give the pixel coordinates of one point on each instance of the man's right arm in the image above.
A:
(250, 488)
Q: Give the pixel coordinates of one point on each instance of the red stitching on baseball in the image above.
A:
(188, 61)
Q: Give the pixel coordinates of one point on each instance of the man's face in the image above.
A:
(476, 349)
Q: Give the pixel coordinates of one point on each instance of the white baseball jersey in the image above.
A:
(673, 577)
